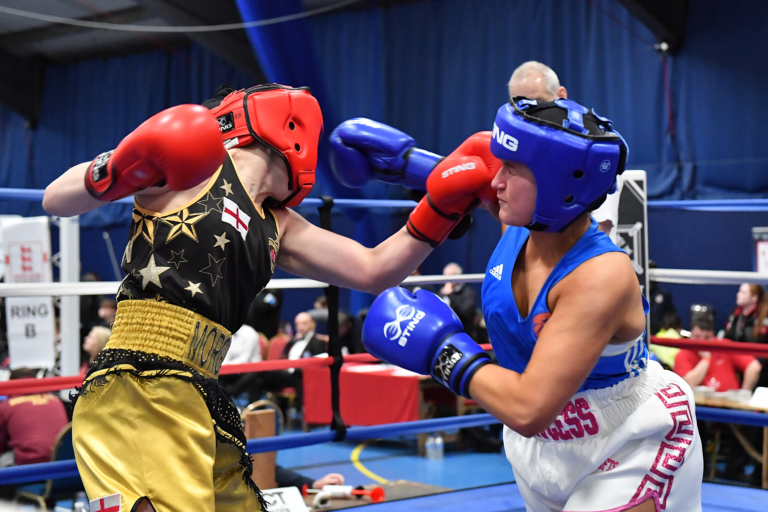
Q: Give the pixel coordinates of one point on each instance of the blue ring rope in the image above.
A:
(713, 205)
(68, 468)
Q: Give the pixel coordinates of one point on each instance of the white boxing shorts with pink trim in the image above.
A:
(612, 449)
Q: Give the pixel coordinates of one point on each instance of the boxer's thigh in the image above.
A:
(150, 438)
(233, 494)
(664, 464)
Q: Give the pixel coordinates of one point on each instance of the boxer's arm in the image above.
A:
(67, 195)
(309, 251)
(598, 301)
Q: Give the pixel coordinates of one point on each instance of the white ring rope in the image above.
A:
(680, 276)
(155, 29)
(110, 287)
(684, 276)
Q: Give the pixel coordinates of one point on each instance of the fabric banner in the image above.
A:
(31, 331)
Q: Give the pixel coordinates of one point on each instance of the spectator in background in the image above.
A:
(319, 315)
(89, 306)
(671, 326)
(29, 424)
(107, 311)
(264, 315)
(245, 347)
(304, 344)
(715, 369)
(349, 334)
(748, 322)
(660, 300)
(287, 478)
(461, 298)
(535, 81)
(744, 324)
(93, 344)
(413, 288)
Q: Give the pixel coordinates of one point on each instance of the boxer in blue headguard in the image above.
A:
(590, 423)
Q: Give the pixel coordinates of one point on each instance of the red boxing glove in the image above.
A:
(455, 188)
(181, 146)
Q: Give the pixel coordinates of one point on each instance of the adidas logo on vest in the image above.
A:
(496, 271)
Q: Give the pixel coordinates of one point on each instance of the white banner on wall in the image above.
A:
(31, 332)
(4, 218)
(760, 235)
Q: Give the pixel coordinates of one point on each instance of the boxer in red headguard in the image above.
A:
(152, 428)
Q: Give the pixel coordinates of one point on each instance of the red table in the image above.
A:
(370, 394)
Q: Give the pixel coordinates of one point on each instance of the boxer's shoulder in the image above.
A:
(602, 281)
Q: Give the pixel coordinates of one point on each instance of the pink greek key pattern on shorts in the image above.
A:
(671, 453)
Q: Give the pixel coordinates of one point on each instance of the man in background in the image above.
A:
(715, 369)
(461, 298)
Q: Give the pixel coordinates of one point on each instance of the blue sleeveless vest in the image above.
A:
(514, 337)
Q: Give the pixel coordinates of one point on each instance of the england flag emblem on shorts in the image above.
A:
(109, 503)
(496, 271)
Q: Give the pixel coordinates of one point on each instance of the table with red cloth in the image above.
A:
(372, 394)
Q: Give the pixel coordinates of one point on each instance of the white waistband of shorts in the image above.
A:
(614, 404)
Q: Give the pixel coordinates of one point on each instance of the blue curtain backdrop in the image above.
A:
(90, 106)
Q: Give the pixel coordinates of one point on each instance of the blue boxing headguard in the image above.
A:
(574, 155)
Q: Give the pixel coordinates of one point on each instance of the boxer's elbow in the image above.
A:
(530, 424)
(377, 284)
(53, 204)
(528, 419)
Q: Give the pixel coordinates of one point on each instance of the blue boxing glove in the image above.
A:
(421, 333)
(362, 149)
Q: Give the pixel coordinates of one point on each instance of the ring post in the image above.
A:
(334, 344)
(69, 272)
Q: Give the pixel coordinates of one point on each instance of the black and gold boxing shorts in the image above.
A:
(152, 421)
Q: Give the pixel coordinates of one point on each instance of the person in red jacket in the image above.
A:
(716, 369)
(29, 425)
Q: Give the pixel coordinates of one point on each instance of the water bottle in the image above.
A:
(434, 446)
(81, 503)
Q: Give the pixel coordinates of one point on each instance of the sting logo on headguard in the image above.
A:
(287, 120)
(573, 154)
(394, 331)
(226, 122)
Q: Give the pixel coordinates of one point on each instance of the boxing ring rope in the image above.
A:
(720, 345)
(720, 205)
(68, 468)
(63, 469)
(661, 275)
(28, 386)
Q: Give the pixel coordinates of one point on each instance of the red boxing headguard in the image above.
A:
(287, 120)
